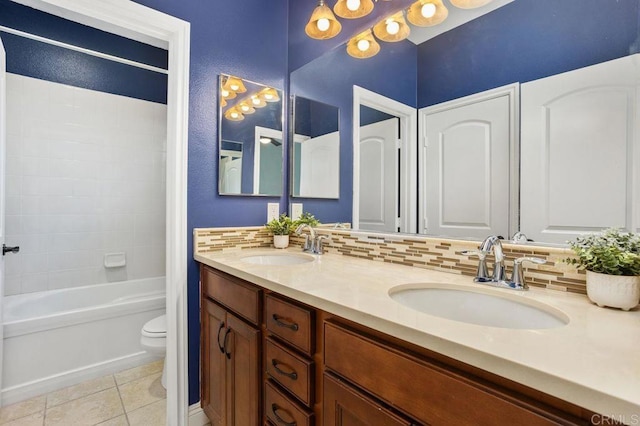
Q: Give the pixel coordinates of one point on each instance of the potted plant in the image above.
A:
(281, 227)
(612, 261)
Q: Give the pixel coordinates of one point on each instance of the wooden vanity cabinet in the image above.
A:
(231, 350)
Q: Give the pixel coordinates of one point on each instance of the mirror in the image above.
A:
(250, 138)
(315, 151)
(469, 59)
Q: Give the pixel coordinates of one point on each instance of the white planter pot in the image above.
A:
(616, 291)
(281, 241)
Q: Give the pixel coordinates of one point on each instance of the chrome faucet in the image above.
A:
(493, 243)
(309, 239)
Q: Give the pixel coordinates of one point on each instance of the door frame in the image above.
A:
(138, 22)
(408, 155)
(513, 92)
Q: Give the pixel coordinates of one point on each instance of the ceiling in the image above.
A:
(456, 18)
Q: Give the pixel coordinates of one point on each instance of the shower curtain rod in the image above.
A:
(83, 50)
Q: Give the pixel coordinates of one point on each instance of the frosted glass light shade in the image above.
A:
(245, 107)
(232, 114)
(469, 4)
(269, 95)
(381, 29)
(323, 24)
(233, 84)
(362, 46)
(257, 102)
(416, 17)
(342, 9)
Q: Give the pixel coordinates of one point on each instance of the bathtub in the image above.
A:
(58, 338)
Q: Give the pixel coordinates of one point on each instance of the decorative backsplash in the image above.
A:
(417, 251)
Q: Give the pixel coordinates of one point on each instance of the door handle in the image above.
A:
(6, 249)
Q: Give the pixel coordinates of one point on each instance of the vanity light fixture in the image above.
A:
(469, 4)
(393, 28)
(233, 84)
(245, 107)
(227, 94)
(362, 46)
(426, 13)
(323, 24)
(232, 114)
(269, 95)
(351, 9)
(257, 101)
(265, 140)
(223, 102)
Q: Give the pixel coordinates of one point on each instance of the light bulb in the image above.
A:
(265, 140)
(428, 10)
(323, 24)
(268, 96)
(353, 5)
(255, 100)
(392, 27)
(363, 45)
(244, 108)
(234, 86)
(225, 93)
(234, 114)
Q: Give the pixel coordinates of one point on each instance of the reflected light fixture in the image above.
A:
(469, 4)
(351, 9)
(426, 13)
(227, 94)
(269, 95)
(245, 107)
(233, 114)
(265, 140)
(323, 24)
(223, 102)
(257, 101)
(363, 45)
(234, 84)
(392, 28)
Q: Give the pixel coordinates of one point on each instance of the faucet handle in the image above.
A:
(482, 275)
(319, 243)
(517, 278)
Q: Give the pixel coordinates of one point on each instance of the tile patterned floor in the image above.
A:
(132, 397)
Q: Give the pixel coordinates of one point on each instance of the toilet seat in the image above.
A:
(155, 328)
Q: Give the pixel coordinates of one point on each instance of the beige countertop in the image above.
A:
(593, 362)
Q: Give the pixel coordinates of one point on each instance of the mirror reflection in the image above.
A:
(250, 138)
(315, 150)
(505, 46)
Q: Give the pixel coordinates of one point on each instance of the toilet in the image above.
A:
(153, 338)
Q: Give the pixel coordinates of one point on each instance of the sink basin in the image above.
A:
(278, 259)
(477, 307)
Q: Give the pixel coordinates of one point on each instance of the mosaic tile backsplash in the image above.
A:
(417, 251)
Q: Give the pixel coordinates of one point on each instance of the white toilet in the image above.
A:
(154, 340)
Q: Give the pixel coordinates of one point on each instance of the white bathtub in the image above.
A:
(58, 338)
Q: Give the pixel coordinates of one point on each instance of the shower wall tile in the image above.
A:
(85, 176)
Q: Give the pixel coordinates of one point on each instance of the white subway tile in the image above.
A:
(34, 282)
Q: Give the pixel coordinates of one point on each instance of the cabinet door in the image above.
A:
(243, 373)
(213, 363)
(343, 406)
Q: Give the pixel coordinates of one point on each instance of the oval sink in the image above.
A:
(478, 307)
(278, 259)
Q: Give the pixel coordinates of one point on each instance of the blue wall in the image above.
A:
(329, 79)
(523, 41)
(47, 62)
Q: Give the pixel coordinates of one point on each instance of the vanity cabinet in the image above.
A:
(231, 350)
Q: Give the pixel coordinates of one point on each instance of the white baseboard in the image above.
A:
(28, 390)
(197, 416)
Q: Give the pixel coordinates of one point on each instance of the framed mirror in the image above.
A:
(250, 140)
(315, 149)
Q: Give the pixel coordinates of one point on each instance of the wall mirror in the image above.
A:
(506, 46)
(315, 149)
(250, 138)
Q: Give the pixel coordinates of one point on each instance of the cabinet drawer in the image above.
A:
(240, 297)
(421, 389)
(281, 411)
(290, 370)
(290, 322)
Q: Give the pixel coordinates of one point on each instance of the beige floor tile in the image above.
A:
(78, 391)
(118, 421)
(86, 411)
(152, 414)
(142, 392)
(36, 419)
(22, 409)
(136, 373)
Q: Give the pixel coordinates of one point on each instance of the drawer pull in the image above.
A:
(293, 375)
(278, 319)
(218, 337)
(226, 337)
(274, 410)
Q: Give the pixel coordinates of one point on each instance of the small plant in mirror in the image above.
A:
(610, 252)
(307, 218)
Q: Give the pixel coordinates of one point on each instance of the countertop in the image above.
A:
(593, 361)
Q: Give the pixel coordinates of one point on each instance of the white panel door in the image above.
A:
(379, 176)
(581, 151)
(466, 168)
(231, 175)
(3, 143)
(319, 163)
